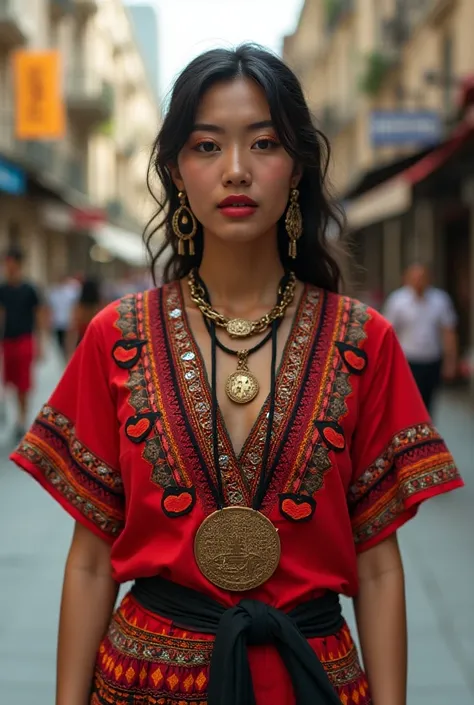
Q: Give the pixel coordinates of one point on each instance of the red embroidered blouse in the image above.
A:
(122, 442)
(123, 438)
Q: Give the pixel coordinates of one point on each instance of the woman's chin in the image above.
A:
(240, 233)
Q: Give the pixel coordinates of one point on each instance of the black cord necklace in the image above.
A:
(264, 480)
(242, 386)
(231, 535)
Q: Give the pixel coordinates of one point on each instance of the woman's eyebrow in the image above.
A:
(208, 127)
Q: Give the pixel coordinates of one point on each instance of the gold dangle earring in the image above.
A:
(294, 222)
(184, 217)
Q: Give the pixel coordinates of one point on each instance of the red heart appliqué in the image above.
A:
(138, 429)
(354, 360)
(178, 501)
(123, 355)
(296, 511)
(334, 438)
(297, 507)
(126, 353)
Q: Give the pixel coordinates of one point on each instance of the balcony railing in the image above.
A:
(336, 118)
(85, 8)
(49, 159)
(433, 10)
(377, 66)
(90, 97)
(75, 173)
(14, 28)
(59, 8)
(397, 27)
(335, 11)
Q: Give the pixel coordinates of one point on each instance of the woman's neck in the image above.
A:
(241, 277)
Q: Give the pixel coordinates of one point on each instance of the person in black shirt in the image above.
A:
(19, 308)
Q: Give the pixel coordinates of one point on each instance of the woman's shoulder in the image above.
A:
(105, 322)
(375, 325)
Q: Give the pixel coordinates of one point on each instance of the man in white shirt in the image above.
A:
(425, 321)
(62, 297)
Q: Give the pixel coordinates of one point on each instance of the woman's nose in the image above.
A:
(236, 171)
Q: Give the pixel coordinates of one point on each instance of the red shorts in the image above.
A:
(18, 355)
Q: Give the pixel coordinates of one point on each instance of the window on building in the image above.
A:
(447, 73)
(54, 34)
(377, 14)
(14, 235)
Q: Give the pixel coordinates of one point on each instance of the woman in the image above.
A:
(87, 307)
(245, 382)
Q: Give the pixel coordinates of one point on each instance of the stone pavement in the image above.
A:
(438, 550)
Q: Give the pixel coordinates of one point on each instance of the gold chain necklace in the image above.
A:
(240, 327)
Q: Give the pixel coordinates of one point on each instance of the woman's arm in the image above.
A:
(381, 621)
(89, 595)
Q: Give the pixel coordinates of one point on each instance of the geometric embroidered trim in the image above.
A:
(414, 462)
(84, 480)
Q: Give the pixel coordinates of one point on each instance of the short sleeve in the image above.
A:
(398, 457)
(448, 314)
(72, 449)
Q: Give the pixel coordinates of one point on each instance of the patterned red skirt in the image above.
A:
(145, 660)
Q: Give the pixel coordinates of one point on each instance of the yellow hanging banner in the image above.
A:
(39, 103)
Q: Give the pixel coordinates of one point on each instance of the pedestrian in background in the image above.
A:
(243, 442)
(62, 298)
(425, 321)
(89, 303)
(22, 323)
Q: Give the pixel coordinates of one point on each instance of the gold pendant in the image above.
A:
(242, 386)
(239, 328)
(237, 548)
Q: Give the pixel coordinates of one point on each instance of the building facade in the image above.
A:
(357, 56)
(366, 67)
(81, 201)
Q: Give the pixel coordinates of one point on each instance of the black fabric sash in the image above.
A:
(250, 623)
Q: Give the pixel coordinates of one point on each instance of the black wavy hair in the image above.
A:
(316, 262)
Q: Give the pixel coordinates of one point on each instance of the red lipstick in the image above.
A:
(237, 206)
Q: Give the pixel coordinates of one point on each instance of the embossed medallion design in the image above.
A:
(237, 548)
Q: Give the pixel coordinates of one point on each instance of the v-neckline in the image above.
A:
(184, 364)
(221, 422)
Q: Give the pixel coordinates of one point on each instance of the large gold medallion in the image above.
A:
(237, 548)
(239, 328)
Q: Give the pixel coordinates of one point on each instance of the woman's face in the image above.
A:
(234, 152)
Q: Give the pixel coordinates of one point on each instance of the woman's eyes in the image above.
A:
(206, 147)
(264, 144)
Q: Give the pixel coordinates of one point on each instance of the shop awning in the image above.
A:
(122, 244)
(395, 196)
(382, 173)
(387, 200)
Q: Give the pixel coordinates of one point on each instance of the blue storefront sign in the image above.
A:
(12, 178)
(405, 128)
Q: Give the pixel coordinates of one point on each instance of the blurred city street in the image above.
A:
(438, 549)
(91, 148)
